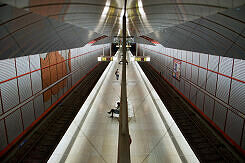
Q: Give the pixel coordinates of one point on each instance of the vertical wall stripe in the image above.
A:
(230, 114)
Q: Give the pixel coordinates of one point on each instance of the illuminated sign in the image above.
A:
(127, 46)
(140, 58)
(106, 58)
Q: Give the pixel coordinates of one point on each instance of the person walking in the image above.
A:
(117, 74)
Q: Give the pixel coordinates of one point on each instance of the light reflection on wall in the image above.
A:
(103, 18)
(143, 19)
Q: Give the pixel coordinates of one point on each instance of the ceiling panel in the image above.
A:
(211, 26)
(27, 33)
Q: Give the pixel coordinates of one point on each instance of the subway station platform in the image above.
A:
(93, 135)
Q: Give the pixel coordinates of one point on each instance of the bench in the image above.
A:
(130, 110)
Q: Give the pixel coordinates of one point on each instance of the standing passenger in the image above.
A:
(117, 74)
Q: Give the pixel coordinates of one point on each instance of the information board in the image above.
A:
(176, 69)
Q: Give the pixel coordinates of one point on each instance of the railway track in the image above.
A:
(203, 139)
(39, 144)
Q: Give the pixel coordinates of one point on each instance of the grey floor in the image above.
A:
(97, 139)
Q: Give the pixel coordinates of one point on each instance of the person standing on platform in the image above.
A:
(117, 74)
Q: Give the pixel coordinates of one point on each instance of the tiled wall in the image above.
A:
(30, 85)
(215, 85)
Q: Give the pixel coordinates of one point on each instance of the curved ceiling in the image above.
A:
(200, 25)
(220, 34)
(105, 16)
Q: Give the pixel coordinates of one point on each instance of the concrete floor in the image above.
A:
(97, 139)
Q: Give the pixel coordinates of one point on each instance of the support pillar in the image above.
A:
(124, 139)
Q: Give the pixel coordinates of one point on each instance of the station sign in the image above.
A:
(140, 58)
(106, 58)
(127, 46)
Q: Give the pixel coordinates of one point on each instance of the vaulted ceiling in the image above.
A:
(209, 26)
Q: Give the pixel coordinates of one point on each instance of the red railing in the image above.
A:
(243, 115)
(4, 115)
(231, 108)
(197, 66)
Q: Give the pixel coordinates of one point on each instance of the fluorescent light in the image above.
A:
(141, 10)
(106, 8)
